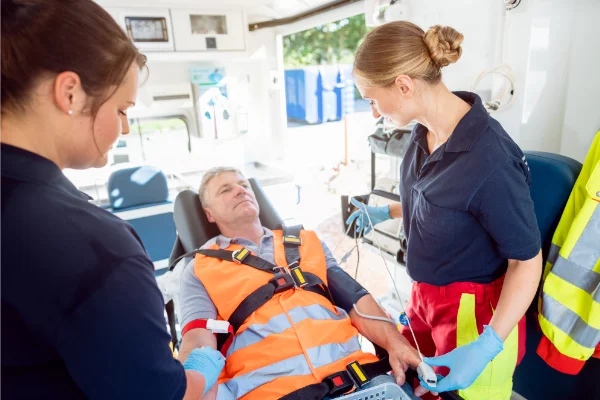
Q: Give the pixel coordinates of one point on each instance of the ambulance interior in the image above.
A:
(223, 88)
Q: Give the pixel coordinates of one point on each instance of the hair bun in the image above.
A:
(443, 43)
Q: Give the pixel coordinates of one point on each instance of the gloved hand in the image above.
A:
(466, 362)
(207, 361)
(377, 215)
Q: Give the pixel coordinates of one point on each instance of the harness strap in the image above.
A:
(263, 294)
(241, 258)
(291, 243)
(342, 382)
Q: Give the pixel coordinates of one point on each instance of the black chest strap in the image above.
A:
(291, 243)
(355, 375)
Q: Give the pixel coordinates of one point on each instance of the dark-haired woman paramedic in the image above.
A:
(82, 316)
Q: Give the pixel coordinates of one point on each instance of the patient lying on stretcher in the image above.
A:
(289, 304)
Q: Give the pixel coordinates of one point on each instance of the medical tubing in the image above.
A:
(357, 260)
(373, 317)
(342, 239)
(395, 288)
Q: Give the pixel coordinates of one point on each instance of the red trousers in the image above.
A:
(446, 317)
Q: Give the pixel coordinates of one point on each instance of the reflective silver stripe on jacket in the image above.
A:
(279, 323)
(293, 366)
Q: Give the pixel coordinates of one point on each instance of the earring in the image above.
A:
(70, 112)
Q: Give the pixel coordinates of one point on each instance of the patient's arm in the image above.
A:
(198, 338)
(386, 335)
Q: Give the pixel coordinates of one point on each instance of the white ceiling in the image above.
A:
(257, 10)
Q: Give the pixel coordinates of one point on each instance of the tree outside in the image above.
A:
(333, 43)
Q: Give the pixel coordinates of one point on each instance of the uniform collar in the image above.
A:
(224, 242)
(23, 165)
(468, 130)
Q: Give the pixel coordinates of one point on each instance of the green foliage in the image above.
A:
(333, 43)
(158, 125)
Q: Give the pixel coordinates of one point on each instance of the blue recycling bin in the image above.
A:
(301, 94)
(345, 91)
(319, 94)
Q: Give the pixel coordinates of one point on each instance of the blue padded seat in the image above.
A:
(137, 186)
(140, 195)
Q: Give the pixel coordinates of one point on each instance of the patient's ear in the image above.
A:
(209, 215)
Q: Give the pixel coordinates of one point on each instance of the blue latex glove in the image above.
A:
(376, 214)
(207, 361)
(466, 362)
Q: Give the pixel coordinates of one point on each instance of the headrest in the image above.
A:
(137, 186)
(193, 227)
(552, 179)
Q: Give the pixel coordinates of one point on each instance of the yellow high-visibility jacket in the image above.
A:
(569, 312)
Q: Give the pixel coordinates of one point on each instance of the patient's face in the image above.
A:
(230, 199)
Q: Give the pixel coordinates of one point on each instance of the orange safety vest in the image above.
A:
(296, 339)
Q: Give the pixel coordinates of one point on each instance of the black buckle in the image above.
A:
(290, 239)
(358, 374)
(298, 277)
(282, 282)
(339, 383)
(240, 255)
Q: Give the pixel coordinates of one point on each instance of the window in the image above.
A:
(155, 141)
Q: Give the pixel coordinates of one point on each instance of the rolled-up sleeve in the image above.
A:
(194, 300)
(330, 260)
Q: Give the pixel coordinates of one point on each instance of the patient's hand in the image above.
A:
(402, 355)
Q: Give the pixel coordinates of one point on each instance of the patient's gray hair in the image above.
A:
(209, 175)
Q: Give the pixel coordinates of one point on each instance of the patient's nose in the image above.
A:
(239, 189)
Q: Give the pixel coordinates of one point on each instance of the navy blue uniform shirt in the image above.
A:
(466, 206)
(82, 316)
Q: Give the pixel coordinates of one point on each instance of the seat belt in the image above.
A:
(355, 375)
(291, 242)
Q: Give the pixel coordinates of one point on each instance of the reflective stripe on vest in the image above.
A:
(279, 323)
(295, 339)
(495, 381)
(297, 365)
(570, 301)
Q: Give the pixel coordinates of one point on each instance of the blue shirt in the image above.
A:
(466, 207)
(82, 316)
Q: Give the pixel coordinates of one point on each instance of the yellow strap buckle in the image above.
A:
(357, 373)
(298, 277)
(240, 255)
(289, 239)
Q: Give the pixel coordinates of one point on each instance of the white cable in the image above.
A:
(498, 104)
(394, 283)
(342, 239)
(389, 273)
(373, 317)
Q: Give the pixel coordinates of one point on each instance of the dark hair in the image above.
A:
(48, 37)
